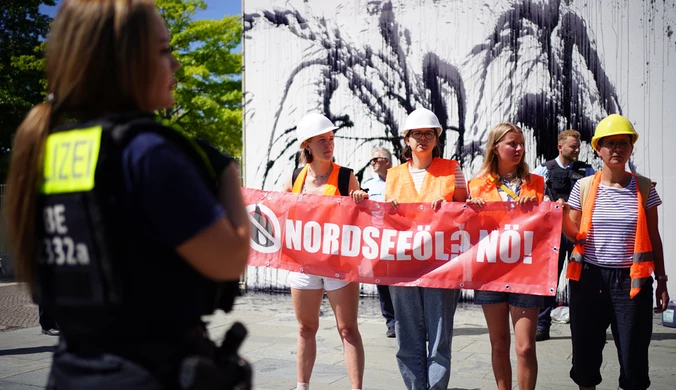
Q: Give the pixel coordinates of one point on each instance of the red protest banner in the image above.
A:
(497, 247)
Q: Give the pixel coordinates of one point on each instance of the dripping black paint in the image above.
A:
(547, 113)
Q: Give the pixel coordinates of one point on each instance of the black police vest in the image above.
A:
(97, 269)
(562, 180)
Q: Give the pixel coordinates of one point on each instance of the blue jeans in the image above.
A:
(599, 299)
(524, 301)
(386, 305)
(71, 371)
(422, 312)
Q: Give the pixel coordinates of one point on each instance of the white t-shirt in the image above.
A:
(610, 241)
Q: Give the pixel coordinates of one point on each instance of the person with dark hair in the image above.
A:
(560, 175)
(504, 177)
(319, 175)
(424, 313)
(126, 230)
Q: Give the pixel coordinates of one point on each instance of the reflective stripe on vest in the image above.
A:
(643, 264)
(331, 187)
(70, 160)
(485, 187)
(439, 181)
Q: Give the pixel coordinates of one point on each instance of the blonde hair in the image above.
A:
(304, 156)
(568, 133)
(99, 59)
(490, 164)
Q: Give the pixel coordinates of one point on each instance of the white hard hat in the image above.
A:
(311, 125)
(422, 118)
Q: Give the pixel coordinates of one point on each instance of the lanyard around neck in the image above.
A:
(508, 190)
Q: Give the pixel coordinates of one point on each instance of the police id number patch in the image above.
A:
(58, 246)
(70, 160)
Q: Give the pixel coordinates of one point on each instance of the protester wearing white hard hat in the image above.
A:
(319, 175)
(422, 118)
(421, 312)
(313, 124)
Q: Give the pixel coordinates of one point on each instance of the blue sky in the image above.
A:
(216, 9)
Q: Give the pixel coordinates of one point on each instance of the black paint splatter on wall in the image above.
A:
(560, 106)
(343, 63)
(384, 83)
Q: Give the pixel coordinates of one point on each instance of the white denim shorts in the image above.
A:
(302, 281)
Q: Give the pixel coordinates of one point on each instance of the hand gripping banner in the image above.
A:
(497, 247)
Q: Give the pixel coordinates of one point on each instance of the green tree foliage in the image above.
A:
(208, 94)
(22, 84)
(209, 91)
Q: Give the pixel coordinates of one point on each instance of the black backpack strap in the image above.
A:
(551, 164)
(210, 160)
(580, 164)
(344, 181)
(294, 176)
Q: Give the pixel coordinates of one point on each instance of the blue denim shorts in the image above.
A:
(518, 300)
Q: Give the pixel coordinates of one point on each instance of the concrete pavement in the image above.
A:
(271, 348)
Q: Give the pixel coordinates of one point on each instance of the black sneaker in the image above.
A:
(541, 335)
(51, 332)
(391, 333)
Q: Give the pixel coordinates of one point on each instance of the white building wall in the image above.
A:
(547, 65)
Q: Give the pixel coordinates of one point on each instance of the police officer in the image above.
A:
(123, 228)
(560, 175)
(381, 161)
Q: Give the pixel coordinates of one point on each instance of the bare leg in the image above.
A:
(497, 319)
(345, 304)
(306, 306)
(525, 322)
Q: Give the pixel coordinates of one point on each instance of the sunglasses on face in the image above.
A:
(379, 159)
(420, 134)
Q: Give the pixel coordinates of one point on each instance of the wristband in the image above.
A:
(662, 277)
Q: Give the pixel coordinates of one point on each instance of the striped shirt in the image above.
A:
(419, 174)
(610, 241)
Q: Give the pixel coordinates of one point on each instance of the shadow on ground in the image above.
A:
(26, 351)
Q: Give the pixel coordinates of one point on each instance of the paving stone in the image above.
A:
(17, 308)
(271, 347)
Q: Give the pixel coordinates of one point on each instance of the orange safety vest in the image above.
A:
(439, 181)
(486, 187)
(331, 187)
(643, 264)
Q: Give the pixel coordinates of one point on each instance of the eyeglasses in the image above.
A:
(379, 159)
(624, 145)
(427, 134)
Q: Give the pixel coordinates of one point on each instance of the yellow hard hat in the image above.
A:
(613, 124)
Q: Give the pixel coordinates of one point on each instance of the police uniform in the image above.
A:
(120, 194)
(560, 181)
